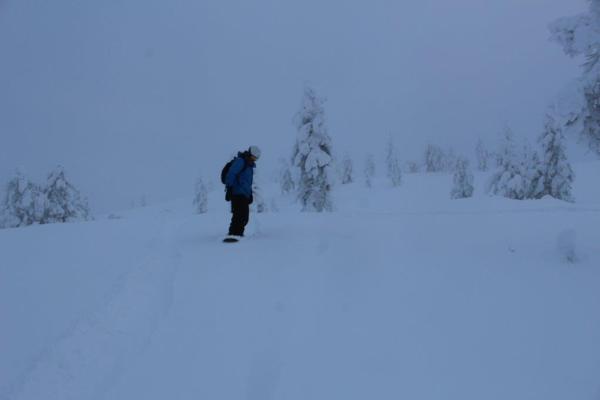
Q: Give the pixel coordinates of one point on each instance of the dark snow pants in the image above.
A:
(240, 210)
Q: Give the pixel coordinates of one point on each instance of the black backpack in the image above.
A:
(225, 170)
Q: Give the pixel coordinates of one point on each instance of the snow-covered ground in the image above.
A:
(398, 294)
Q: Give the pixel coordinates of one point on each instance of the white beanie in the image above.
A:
(255, 151)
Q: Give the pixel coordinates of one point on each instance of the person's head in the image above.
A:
(254, 153)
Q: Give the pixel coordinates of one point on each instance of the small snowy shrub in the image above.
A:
(413, 167)
(565, 244)
(369, 170)
(347, 170)
(200, 197)
(482, 155)
(450, 159)
(434, 159)
(463, 180)
(392, 163)
(286, 182)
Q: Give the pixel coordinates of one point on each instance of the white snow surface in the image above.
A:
(400, 293)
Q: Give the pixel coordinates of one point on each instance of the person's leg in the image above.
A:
(244, 214)
(239, 218)
(235, 216)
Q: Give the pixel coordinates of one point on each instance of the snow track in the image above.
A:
(84, 362)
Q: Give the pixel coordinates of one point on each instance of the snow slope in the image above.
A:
(400, 293)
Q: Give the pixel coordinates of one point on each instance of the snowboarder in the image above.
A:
(238, 184)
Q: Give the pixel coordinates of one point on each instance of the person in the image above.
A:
(238, 184)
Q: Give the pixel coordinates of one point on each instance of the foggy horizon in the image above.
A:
(140, 98)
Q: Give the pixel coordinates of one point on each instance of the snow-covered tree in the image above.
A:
(463, 180)
(434, 159)
(369, 170)
(532, 172)
(555, 176)
(35, 202)
(510, 179)
(392, 163)
(347, 172)
(579, 35)
(505, 134)
(64, 203)
(450, 159)
(23, 203)
(413, 167)
(496, 159)
(27, 203)
(482, 155)
(312, 156)
(200, 201)
(286, 182)
(13, 211)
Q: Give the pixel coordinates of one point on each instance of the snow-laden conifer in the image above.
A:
(392, 163)
(580, 35)
(286, 182)
(509, 180)
(35, 202)
(434, 158)
(312, 156)
(462, 179)
(23, 203)
(347, 173)
(450, 159)
(200, 201)
(369, 170)
(482, 155)
(532, 172)
(556, 175)
(64, 203)
(12, 213)
(413, 167)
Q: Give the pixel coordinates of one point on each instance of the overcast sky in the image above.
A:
(140, 96)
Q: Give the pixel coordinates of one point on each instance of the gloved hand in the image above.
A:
(228, 193)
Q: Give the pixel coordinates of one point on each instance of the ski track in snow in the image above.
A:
(282, 315)
(84, 361)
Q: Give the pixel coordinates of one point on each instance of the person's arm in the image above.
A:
(234, 170)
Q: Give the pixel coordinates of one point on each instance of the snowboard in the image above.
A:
(231, 239)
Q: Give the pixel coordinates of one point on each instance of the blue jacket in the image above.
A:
(240, 175)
